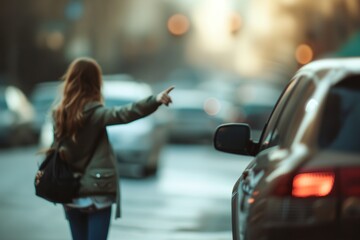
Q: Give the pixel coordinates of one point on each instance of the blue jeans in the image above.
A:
(90, 224)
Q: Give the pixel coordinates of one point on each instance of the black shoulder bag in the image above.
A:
(56, 182)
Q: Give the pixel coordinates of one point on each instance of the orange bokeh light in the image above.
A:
(304, 54)
(178, 24)
(235, 23)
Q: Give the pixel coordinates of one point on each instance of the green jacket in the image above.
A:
(92, 154)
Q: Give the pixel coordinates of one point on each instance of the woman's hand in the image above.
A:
(38, 176)
(163, 97)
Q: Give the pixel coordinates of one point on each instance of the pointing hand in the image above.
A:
(163, 97)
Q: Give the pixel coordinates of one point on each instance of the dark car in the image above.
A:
(16, 117)
(304, 179)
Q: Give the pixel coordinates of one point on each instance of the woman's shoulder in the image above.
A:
(94, 111)
(92, 106)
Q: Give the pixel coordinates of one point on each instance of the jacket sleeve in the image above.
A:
(128, 113)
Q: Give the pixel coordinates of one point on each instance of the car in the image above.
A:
(43, 98)
(195, 113)
(45, 95)
(303, 181)
(138, 144)
(16, 114)
(255, 99)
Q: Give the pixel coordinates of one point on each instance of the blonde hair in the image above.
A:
(82, 84)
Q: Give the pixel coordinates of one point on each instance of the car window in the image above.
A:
(286, 122)
(293, 113)
(339, 129)
(288, 113)
(268, 131)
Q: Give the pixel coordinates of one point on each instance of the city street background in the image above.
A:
(229, 61)
(253, 39)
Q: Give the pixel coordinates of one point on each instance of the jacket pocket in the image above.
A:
(98, 181)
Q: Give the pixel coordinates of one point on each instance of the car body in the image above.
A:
(16, 114)
(304, 179)
(138, 144)
(195, 114)
(43, 98)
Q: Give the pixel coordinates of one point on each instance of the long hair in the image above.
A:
(82, 84)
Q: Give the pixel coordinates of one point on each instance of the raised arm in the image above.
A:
(133, 111)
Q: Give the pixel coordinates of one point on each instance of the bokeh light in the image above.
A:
(178, 24)
(55, 40)
(212, 106)
(235, 23)
(304, 54)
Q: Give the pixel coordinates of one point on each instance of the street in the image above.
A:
(188, 199)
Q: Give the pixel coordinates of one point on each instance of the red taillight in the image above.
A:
(313, 184)
(350, 181)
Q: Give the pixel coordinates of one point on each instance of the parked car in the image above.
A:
(304, 179)
(16, 114)
(195, 115)
(255, 100)
(43, 98)
(138, 144)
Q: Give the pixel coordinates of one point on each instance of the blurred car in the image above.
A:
(255, 100)
(183, 78)
(16, 114)
(42, 98)
(304, 179)
(44, 95)
(138, 144)
(195, 115)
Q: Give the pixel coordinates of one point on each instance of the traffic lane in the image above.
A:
(168, 206)
(189, 199)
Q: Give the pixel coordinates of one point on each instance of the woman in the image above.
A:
(80, 122)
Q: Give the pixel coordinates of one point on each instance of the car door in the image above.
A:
(248, 177)
(281, 124)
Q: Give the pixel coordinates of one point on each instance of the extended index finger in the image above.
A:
(167, 91)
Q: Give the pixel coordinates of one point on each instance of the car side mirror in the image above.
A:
(234, 138)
